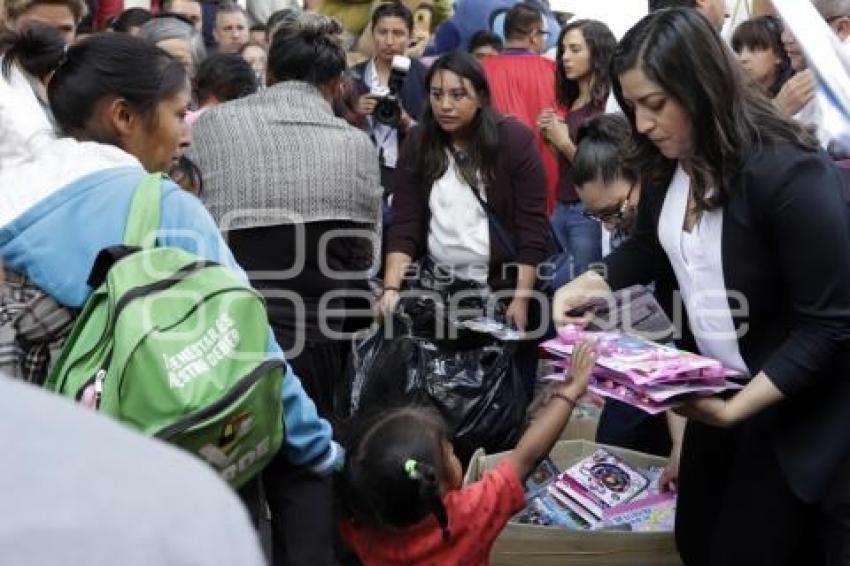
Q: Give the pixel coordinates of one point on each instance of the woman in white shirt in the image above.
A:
(462, 161)
(743, 215)
(462, 158)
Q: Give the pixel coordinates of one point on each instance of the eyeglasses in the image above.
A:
(832, 19)
(615, 215)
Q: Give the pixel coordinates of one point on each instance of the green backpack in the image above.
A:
(176, 347)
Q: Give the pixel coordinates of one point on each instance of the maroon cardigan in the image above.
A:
(517, 198)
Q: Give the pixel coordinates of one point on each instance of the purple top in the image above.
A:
(575, 118)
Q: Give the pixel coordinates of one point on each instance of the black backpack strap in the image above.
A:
(498, 228)
(501, 233)
(106, 258)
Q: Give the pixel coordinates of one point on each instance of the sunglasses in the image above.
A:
(614, 215)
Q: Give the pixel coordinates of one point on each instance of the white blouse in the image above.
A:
(697, 260)
(459, 233)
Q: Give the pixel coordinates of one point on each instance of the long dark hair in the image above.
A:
(111, 64)
(765, 33)
(393, 470)
(600, 46)
(678, 50)
(483, 139)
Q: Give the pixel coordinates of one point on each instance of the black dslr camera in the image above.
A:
(388, 110)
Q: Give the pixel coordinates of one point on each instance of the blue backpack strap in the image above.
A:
(143, 219)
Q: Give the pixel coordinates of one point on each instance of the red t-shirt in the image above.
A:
(523, 84)
(477, 514)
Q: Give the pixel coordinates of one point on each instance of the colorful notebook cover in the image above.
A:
(649, 376)
(607, 478)
(588, 519)
(656, 513)
(630, 397)
(544, 474)
(642, 361)
(546, 511)
(569, 487)
(657, 401)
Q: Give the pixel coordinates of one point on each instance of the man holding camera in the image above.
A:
(390, 88)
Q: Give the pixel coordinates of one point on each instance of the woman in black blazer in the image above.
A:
(743, 215)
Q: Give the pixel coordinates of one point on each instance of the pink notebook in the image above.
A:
(642, 361)
(652, 377)
(607, 479)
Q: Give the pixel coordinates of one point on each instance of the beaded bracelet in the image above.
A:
(566, 398)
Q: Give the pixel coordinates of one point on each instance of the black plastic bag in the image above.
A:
(378, 367)
(478, 391)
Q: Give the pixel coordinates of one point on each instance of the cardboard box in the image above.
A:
(531, 545)
(581, 428)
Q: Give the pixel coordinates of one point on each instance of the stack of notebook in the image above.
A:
(599, 492)
(649, 376)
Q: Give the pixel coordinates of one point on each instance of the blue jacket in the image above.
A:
(55, 242)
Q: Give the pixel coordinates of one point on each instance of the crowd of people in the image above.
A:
(521, 151)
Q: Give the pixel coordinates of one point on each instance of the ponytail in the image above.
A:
(395, 465)
(602, 145)
(429, 491)
(38, 50)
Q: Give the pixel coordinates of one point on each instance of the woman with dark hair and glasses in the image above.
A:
(742, 214)
(609, 188)
(582, 86)
(614, 216)
(461, 152)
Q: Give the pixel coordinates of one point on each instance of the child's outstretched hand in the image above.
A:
(581, 366)
(551, 419)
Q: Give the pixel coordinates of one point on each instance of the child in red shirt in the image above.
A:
(401, 486)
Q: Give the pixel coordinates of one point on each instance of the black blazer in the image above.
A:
(786, 251)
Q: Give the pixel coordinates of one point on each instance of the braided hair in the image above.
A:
(394, 471)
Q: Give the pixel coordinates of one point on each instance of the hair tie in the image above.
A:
(411, 468)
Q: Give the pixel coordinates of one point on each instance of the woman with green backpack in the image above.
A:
(122, 103)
